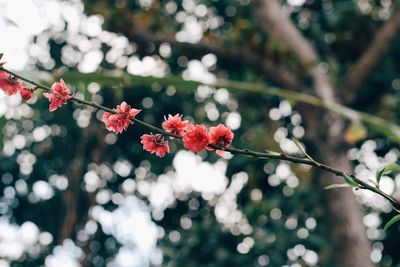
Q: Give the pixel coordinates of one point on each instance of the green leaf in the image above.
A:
(379, 174)
(1, 55)
(333, 186)
(392, 221)
(301, 148)
(350, 181)
(272, 152)
(385, 170)
(392, 167)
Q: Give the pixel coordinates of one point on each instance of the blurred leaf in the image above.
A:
(272, 152)
(355, 132)
(333, 186)
(391, 222)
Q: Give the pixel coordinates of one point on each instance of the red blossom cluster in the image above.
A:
(195, 137)
(11, 85)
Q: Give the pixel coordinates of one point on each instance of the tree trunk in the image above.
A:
(351, 247)
(324, 133)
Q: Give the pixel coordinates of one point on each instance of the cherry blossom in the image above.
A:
(155, 143)
(9, 84)
(221, 136)
(195, 137)
(120, 121)
(174, 124)
(58, 96)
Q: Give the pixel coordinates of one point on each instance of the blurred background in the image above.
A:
(74, 194)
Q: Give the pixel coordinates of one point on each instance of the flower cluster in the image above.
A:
(195, 137)
(11, 85)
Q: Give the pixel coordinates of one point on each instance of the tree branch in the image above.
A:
(279, 26)
(237, 54)
(236, 151)
(377, 124)
(358, 74)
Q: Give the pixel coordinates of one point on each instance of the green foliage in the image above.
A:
(350, 181)
(333, 186)
(392, 221)
(386, 170)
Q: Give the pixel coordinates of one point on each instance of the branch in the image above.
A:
(237, 54)
(236, 151)
(372, 56)
(377, 124)
(280, 27)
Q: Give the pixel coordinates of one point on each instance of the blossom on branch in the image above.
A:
(174, 124)
(155, 143)
(195, 137)
(26, 93)
(120, 121)
(221, 136)
(9, 83)
(58, 96)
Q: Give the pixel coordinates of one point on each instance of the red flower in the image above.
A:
(58, 96)
(155, 143)
(221, 136)
(10, 84)
(174, 124)
(195, 137)
(26, 93)
(121, 120)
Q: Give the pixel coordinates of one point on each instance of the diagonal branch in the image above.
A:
(110, 78)
(233, 53)
(236, 151)
(372, 56)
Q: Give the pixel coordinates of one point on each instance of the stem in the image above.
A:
(232, 150)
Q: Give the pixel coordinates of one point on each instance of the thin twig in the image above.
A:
(232, 150)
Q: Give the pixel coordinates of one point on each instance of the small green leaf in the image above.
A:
(333, 186)
(301, 148)
(350, 181)
(386, 170)
(272, 152)
(379, 174)
(392, 167)
(392, 221)
(1, 55)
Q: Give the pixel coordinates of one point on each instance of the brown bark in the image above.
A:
(324, 133)
(358, 74)
(71, 196)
